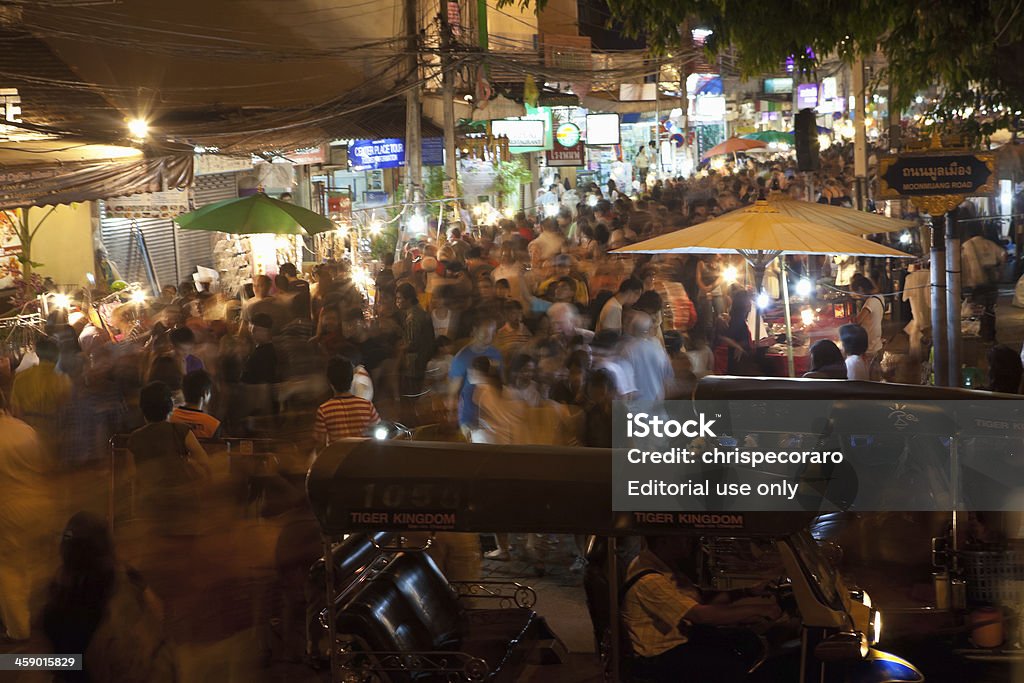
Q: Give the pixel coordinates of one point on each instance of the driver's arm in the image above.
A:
(732, 614)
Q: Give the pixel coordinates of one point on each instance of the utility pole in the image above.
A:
(860, 141)
(448, 97)
(954, 338)
(413, 117)
(413, 140)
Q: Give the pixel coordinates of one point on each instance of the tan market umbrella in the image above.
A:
(761, 233)
(850, 221)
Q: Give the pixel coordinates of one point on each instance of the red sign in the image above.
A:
(565, 156)
(340, 204)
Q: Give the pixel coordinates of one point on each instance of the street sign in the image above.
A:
(960, 174)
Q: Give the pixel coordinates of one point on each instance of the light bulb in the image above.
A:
(803, 287)
(807, 316)
(763, 300)
(905, 238)
(376, 227)
(139, 296)
(61, 300)
(730, 274)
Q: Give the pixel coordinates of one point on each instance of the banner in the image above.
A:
(368, 155)
(149, 205)
(207, 164)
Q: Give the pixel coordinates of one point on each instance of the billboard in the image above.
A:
(603, 129)
(368, 155)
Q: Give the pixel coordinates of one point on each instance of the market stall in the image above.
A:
(761, 233)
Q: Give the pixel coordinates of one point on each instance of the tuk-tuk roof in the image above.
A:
(371, 485)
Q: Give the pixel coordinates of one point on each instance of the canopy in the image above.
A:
(51, 172)
(761, 227)
(849, 221)
(733, 145)
(370, 485)
(256, 213)
(771, 136)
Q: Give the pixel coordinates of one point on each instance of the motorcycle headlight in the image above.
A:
(876, 626)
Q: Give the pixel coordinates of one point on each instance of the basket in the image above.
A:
(994, 577)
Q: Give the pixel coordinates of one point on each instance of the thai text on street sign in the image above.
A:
(961, 174)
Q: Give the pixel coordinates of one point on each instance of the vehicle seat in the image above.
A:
(381, 619)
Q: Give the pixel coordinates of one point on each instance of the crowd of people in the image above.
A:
(523, 332)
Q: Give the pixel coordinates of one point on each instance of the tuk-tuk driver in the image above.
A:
(663, 612)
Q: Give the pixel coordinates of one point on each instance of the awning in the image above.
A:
(602, 104)
(385, 120)
(47, 173)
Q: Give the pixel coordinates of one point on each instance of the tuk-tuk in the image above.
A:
(976, 593)
(396, 626)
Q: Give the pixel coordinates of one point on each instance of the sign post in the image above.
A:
(937, 181)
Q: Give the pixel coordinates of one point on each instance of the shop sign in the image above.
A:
(603, 129)
(565, 156)
(337, 155)
(10, 250)
(520, 132)
(149, 205)
(807, 96)
(778, 86)
(340, 204)
(10, 111)
(208, 164)
(375, 198)
(568, 135)
(304, 156)
(922, 175)
(432, 152)
(367, 155)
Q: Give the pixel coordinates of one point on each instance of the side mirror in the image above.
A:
(842, 647)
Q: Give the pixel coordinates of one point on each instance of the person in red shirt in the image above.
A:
(344, 415)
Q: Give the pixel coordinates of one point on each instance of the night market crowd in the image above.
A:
(520, 332)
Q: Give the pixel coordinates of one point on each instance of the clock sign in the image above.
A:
(568, 135)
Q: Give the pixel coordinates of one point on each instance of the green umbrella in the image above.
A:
(771, 136)
(256, 213)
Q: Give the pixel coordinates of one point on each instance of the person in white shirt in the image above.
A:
(548, 243)
(611, 314)
(647, 358)
(855, 344)
(871, 314)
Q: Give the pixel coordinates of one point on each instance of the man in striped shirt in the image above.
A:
(344, 415)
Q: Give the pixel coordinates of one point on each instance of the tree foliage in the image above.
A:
(972, 49)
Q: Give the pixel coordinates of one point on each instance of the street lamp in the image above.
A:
(138, 128)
